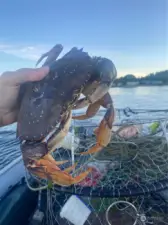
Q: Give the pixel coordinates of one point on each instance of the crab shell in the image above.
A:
(45, 103)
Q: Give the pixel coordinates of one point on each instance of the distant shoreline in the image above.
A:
(151, 80)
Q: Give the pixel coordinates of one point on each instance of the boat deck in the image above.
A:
(9, 145)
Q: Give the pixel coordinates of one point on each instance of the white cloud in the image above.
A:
(34, 52)
(26, 52)
(138, 63)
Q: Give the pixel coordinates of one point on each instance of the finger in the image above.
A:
(8, 118)
(25, 75)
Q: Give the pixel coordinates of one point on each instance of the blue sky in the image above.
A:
(132, 33)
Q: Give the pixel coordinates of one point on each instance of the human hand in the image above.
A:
(10, 83)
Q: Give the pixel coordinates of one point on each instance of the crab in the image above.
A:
(46, 108)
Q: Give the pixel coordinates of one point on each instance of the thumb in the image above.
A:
(25, 75)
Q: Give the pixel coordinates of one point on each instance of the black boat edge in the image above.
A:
(18, 205)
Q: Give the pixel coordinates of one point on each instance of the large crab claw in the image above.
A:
(46, 169)
(104, 131)
(38, 161)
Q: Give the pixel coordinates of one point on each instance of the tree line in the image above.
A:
(161, 76)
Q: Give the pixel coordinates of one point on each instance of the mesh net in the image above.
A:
(136, 210)
(135, 162)
(127, 175)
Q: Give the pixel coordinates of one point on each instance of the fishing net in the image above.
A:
(126, 174)
(135, 161)
(136, 210)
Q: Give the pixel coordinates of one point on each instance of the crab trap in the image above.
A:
(128, 183)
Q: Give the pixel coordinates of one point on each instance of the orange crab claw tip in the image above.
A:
(61, 162)
(69, 169)
(94, 149)
(81, 176)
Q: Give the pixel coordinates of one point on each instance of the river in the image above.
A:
(153, 97)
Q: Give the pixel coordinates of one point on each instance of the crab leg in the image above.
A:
(57, 176)
(50, 159)
(55, 139)
(45, 168)
(62, 178)
(69, 169)
(51, 55)
(81, 103)
(93, 108)
(91, 111)
(103, 132)
(62, 131)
